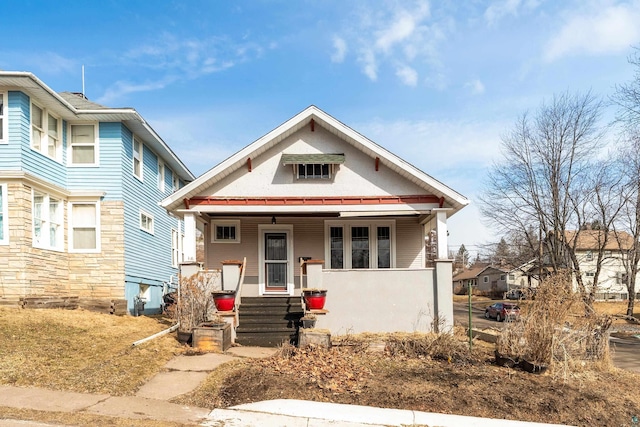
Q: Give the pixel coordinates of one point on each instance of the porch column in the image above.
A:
(189, 245)
(441, 231)
(444, 275)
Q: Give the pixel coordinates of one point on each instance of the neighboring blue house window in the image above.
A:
(175, 181)
(84, 229)
(138, 149)
(46, 133)
(4, 223)
(146, 222)
(47, 221)
(3, 118)
(161, 176)
(83, 145)
(176, 247)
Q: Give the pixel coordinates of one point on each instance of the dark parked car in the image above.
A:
(502, 311)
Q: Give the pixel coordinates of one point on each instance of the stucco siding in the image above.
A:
(357, 176)
(378, 300)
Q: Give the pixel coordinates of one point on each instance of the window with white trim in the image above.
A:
(225, 231)
(46, 133)
(146, 222)
(360, 244)
(177, 254)
(4, 216)
(3, 118)
(175, 181)
(589, 256)
(47, 221)
(84, 226)
(485, 279)
(83, 145)
(161, 172)
(138, 153)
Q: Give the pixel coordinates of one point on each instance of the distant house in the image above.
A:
(315, 192)
(466, 278)
(612, 279)
(79, 190)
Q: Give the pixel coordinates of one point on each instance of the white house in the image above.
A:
(315, 189)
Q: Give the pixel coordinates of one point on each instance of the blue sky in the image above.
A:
(436, 82)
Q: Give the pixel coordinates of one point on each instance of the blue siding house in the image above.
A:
(80, 186)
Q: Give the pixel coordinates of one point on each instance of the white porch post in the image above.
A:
(441, 230)
(443, 275)
(189, 237)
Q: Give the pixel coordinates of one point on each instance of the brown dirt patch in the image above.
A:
(444, 382)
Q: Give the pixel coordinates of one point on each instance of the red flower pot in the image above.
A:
(224, 301)
(315, 299)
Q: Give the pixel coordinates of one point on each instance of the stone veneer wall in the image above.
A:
(29, 271)
(101, 275)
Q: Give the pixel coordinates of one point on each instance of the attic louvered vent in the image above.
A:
(313, 166)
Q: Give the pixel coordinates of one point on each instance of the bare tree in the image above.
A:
(541, 182)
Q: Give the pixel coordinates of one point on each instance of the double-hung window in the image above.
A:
(138, 155)
(161, 175)
(146, 222)
(175, 181)
(46, 134)
(84, 221)
(3, 118)
(360, 245)
(4, 220)
(176, 247)
(83, 145)
(47, 221)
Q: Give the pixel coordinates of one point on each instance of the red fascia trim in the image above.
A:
(288, 201)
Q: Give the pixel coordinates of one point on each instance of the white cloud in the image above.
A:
(394, 33)
(173, 59)
(340, 47)
(407, 75)
(503, 8)
(599, 30)
(476, 87)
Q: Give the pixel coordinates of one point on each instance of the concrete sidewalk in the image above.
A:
(301, 413)
(181, 375)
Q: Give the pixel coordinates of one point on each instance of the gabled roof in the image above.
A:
(450, 197)
(471, 273)
(71, 106)
(591, 239)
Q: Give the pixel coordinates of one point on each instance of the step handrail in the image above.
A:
(243, 269)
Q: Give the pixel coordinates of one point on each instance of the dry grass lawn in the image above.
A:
(81, 351)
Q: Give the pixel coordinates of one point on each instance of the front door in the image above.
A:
(276, 263)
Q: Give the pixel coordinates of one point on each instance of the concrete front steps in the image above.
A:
(268, 321)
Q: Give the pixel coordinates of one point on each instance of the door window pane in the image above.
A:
(276, 247)
(359, 247)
